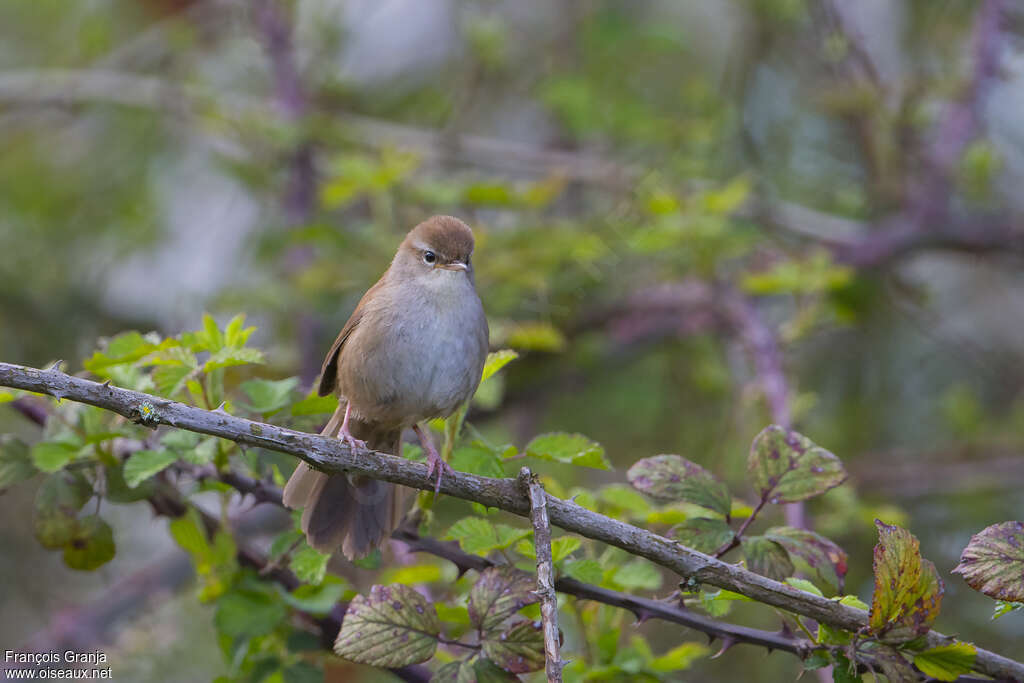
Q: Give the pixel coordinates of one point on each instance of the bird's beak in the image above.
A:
(455, 265)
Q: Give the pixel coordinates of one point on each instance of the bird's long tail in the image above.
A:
(344, 510)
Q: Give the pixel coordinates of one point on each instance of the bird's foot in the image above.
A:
(436, 462)
(352, 442)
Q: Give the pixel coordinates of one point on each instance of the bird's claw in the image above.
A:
(351, 441)
(436, 462)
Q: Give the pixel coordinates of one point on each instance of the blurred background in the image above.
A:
(693, 219)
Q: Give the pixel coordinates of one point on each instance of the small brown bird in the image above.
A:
(413, 350)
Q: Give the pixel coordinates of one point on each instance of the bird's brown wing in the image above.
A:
(329, 370)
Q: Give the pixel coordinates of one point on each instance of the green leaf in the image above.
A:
(50, 456)
(309, 565)
(853, 601)
(413, 574)
(563, 547)
(679, 658)
(57, 503)
(235, 334)
(947, 662)
(268, 396)
(189, 533)
(248, 612)
(170, 379)
(574, 449)
(586, 570)
(817, 660)
(478, 536)
(818, 552)
(496, 360)
(908, 590)
(624, 501)
(498, 594)
(315, 405)
(671, 479)
(703, 534)
(518, 649)
(117, 489)
(1003, 608)
(127, 347)
(144, 464)
(993, 562)
(843, 671)
(536, 336)
(15, 461)
(316, 600)
(638, 574)
(766, 557)
(786, 467)
(230, 356)
(804, 585)
(91, 546)
(477, 459)
(393, 626)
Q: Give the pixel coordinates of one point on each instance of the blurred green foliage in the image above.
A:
(678, 126)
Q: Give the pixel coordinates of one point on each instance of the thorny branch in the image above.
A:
(331, 455)
(534, 491)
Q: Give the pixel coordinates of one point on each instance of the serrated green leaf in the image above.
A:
(170, 379)
(15, 461)
(908, 590)
(50, 456)
(91, 545)
(234, 332)
(843, 671)
(671, 479)
(230, 356)
(517, 649)
(127, 347)
(818, 552)
(787, 467)
(574, 449)
(460, 671)
(393, 626)
(766, 557)
(638, 574)
(703, 534)
(496, 360)
(269, 396)
(563, 547)
(947, 662)
(144, 464)
(309, 565)
(623, 501)
(477, 459)
(817, 660)
(993, 562)
(585, 570)
(499, 593)
(478, 536)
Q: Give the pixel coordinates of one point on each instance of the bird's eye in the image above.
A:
(429, 257)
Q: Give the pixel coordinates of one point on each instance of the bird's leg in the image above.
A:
(434, 460)
(345, 435)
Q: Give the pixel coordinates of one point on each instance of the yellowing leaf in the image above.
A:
(993, 562)
(393, 626)
(908, 590)
(947, 662)
(787, 467)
